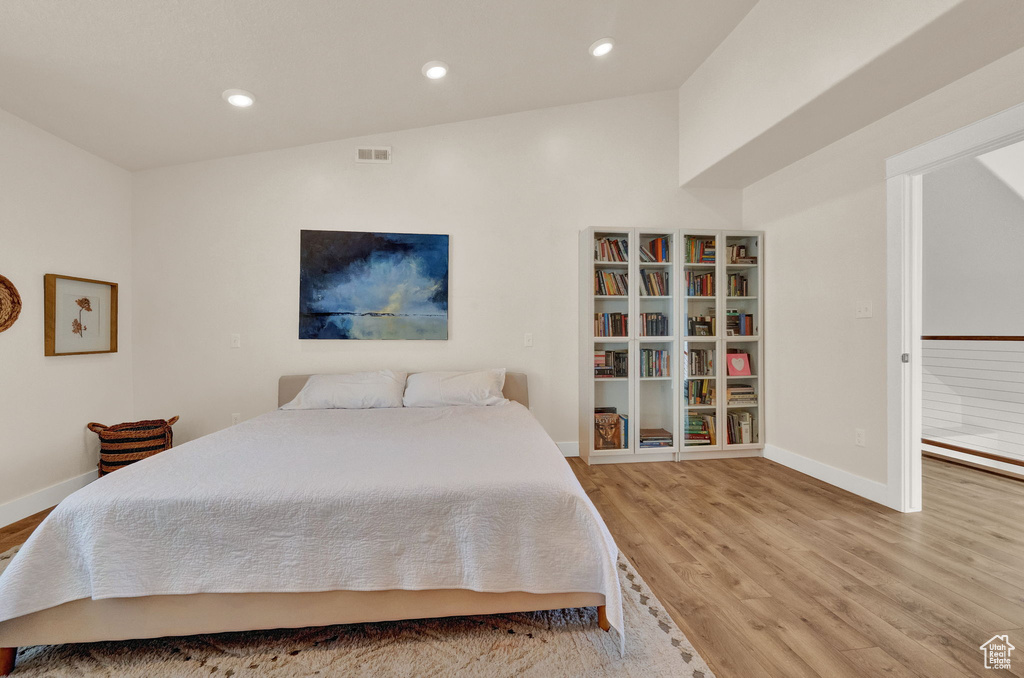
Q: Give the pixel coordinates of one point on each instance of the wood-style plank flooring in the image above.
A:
(15, 534)
(771, 573)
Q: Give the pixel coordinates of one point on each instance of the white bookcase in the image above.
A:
(646, 397)
(689, 406)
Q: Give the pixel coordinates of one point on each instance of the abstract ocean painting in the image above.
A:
(356, 285)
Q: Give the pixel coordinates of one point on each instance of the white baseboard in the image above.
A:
(571, 449)
(1012, 469)
(851, 482)
(23, 507)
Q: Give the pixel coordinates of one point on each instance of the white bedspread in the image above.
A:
(461, 497)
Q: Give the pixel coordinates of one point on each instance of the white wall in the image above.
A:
(795, 75)
(826, 238)
(62, 211)
(973, 239)
(217, 250)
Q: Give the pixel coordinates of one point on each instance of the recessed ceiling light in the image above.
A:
(239, 97)
(435, 69)
(602, 47)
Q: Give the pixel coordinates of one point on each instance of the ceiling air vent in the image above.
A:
(377, 154)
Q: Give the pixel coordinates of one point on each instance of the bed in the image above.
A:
(296, 519)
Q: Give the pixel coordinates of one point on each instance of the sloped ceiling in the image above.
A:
(139, 83)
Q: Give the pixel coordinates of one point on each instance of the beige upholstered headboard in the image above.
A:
(515, 389)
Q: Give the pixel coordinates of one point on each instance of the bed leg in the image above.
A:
(8, 655)
(602, 618)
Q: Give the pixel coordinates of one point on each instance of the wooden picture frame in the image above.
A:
(80, 315)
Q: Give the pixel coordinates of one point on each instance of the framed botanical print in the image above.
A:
(80, 315)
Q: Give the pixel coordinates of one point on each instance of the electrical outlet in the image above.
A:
(528, 340)
(864, 309)
(858, 437)
(236, 341)
(236, 417)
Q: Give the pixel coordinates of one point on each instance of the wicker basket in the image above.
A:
(10, 303)
(124, 444)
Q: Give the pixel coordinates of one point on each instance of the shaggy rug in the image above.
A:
(551, 643)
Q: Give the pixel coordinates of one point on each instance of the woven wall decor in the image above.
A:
(10, 303)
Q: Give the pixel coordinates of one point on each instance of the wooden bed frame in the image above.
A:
(87, 620)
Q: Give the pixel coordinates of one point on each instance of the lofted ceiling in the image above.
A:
(139, 83)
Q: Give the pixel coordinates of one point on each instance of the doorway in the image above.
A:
(905, 215)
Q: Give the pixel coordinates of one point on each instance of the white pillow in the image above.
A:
(440, 389)
(355, 391)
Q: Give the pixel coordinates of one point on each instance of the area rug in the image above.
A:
(548, 644)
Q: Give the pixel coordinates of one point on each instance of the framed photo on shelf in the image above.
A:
(80, 315)
(738, 364)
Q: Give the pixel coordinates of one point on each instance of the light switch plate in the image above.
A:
(528, 339)
(236, 341)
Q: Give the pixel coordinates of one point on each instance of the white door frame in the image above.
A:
(904, 183)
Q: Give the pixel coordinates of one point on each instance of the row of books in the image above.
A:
(700, 326)
(656, 250)
(699, 392)
(737, 254)
(611, 324)
(740, 428)
(611, 430)
(609, 282)
(739, 323)
(700, 284)
(654, 325)
(655, 283)
(741, 394)
(609, 364)
(611, 249)
(738, 285)
(700, 362)
(655, 437)
(655, 363)
(700, 251)
(700, 429)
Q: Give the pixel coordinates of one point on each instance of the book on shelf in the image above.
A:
(741, 394)
(700, 284)
(611, 430)
(738, 323)
(654, 363)
(655, 437)
(699, 392)
(737, 254)
(700, 429)
(655, 251)
(654, 283)
(611, 364)
(654, 325)
(738, 285)
(700, 362)
(610, 250)
(740, 428)
(610, 283)
(700, 251)
(611, 324)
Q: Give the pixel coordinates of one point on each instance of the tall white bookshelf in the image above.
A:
(639, 375)
(704, 293)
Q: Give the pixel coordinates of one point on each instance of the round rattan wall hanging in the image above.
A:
(10, 303)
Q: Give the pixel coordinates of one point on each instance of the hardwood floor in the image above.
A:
(772, 573)
(15, 534)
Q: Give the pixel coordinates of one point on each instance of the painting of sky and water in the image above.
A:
(356, 285)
